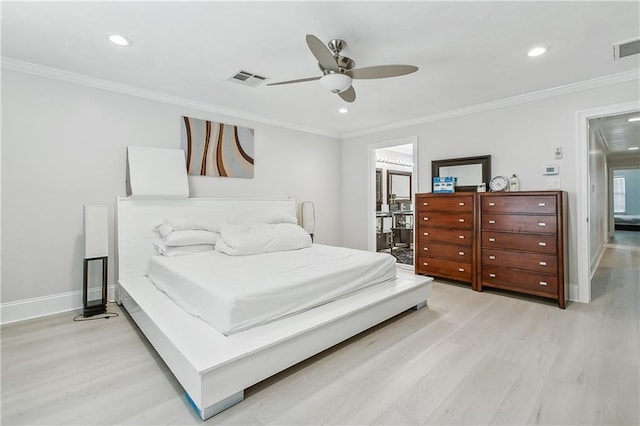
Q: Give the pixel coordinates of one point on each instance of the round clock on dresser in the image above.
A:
(498, 184)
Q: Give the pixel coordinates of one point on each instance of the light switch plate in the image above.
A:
(553, 183)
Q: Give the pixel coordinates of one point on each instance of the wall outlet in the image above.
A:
(553, 183)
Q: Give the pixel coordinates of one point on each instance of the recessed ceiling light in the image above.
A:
(633, 119)
(537, 51)
(119, 40)
(634, 148)
(343, 110)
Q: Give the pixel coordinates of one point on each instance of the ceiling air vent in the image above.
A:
(247, 78)
(626, 48)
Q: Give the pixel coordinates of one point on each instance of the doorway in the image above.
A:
(393, 181)
(607, 139)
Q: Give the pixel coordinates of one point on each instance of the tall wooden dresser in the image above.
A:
(444, 225)
(521, 243)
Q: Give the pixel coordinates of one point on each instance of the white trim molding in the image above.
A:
(505, 102)
(97, 83)
(37, 307)
(70, 77)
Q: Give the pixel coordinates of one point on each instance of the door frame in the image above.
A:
(583, 199)
(371, 181)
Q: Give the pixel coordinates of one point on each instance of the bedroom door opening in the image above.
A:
(394, 180)
(604, 136)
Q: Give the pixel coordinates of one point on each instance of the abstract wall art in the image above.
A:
(217, 149)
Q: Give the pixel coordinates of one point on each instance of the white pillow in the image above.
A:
(170, 225)
(169, 251)
(240, 240)
(191, 237)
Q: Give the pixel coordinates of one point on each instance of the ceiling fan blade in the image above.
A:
(348, 95)
(322, 53)
(382, 71)
(300, 80)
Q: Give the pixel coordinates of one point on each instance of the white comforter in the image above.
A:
(233, 293)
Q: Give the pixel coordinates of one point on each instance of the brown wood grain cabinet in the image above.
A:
(521, 243)
(445, 236)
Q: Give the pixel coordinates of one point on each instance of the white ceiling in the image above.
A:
(618, 133)
(469, 53)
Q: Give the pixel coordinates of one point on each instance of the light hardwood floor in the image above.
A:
(469, 358)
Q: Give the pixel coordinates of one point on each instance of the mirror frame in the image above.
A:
(484, 160)
(389, 186)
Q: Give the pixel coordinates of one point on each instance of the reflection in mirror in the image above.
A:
(470, 171)
(398, 184)
(469, 175)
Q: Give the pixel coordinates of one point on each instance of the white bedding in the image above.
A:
(234, 293)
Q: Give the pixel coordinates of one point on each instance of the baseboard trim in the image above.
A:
(573, 293)
(37, 307)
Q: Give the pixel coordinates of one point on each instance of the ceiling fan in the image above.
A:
(338, 71)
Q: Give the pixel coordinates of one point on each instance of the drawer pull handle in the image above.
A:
(460, 269)
(492, 240)
(461, 253)
(543, 263)
(492, 275)
(426, 218)
(492, 204)
(426, 249)
(492, 221)
(492, 257)
(426, 233)
(543, 283)
(461, 237)
(542, 204)
(461, 204)
(425, 204)
(426, 263)
(542, 244)
(542, 224)
(460, 220)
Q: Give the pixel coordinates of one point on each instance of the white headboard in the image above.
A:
(136, 219)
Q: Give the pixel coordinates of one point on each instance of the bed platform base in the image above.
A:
(214, 369)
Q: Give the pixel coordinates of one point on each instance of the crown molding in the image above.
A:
(505, 102)
(70, 77)
(97, 83)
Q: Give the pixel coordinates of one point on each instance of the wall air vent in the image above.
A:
(247, 78)
(626, 48)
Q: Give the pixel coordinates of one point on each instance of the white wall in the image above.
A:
(598, 198)
(64, 145)
(520, 138)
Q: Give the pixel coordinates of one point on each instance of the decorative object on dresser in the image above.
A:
(498, 184)
(445, 236)
(521, 243)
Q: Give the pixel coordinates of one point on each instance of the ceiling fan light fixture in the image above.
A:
(335, 82)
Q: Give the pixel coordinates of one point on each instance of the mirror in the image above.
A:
(470, 171)
(399, 184)
(378, 189)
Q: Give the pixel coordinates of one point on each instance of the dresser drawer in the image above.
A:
(444, 251)
(445, 202)
(512, 259)
(526, 242)
(452, 220)
(445, 268)
(539, 204)
(528, 282)
(463, 237)
(519, 223)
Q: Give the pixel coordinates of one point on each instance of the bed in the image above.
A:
(214, 367)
